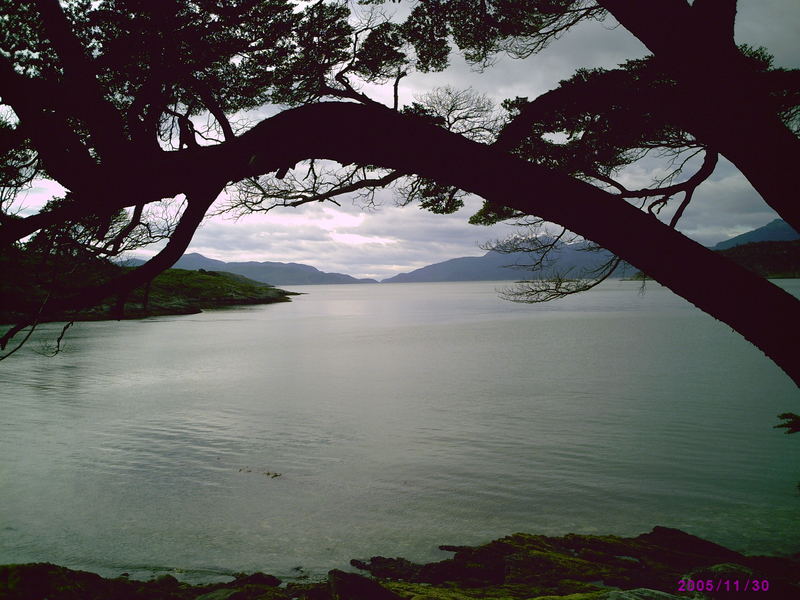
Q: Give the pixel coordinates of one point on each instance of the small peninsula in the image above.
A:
(173, 292)
(181, 291)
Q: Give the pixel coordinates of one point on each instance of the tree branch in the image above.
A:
(711, 282)
(101, 117)
(294, 199)
(731, 110)
(121, 286)
(59, 146)
(703, 173)
(210, 102)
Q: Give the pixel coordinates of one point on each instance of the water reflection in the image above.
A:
(399, 418)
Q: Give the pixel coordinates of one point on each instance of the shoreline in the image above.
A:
(664, 563)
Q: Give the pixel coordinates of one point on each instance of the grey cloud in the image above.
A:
(774, 24)
(414, 238)
(589, 44)
(723, 207)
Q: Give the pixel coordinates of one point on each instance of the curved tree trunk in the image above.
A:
(763, 313)
(351, 133)
(731, 109)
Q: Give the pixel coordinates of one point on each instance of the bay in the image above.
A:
(365, 420)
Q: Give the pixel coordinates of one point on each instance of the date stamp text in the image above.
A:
(723, 585)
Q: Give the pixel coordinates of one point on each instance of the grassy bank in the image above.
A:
(173, 292)
(179, 291)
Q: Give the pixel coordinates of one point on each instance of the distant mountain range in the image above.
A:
(573, 258)
(774, 231)
(274, 273)
(492, 266)
(496, 266)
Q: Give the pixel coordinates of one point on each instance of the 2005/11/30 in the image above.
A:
(727, 585)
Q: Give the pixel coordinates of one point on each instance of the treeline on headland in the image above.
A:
(768, 259)
(179, 291)
(660, 565)
(776, 260)
(175, 291)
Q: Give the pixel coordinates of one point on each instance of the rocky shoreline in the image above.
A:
(662, 564)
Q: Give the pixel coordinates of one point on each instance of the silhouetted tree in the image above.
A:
(129, 103)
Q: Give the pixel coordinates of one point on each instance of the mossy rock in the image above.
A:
(580, 596)
(421, 591)
(517, 567)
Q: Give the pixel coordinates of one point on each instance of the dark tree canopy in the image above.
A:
(145, 113)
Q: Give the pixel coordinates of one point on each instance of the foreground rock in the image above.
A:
(535, 566)
(663, 564)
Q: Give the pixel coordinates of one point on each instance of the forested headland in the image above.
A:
(173, 292)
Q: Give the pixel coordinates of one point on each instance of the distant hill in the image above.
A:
(274, 273)
(495, 266)
(769, 250)
(774, 231)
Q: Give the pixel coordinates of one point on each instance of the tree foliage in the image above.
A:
(146, 111)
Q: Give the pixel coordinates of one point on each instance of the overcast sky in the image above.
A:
(390, 240)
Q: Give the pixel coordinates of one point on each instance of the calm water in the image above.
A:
(400, 417)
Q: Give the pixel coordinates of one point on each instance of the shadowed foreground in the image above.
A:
(655, 565)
